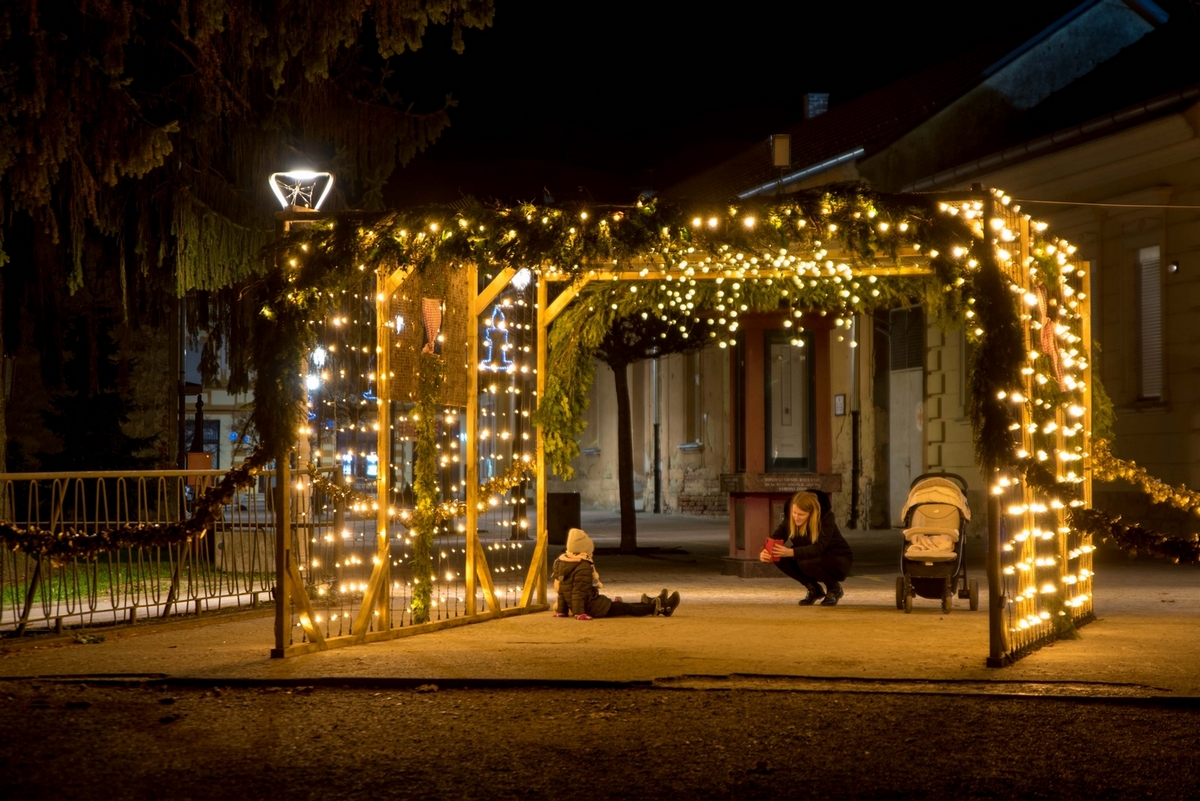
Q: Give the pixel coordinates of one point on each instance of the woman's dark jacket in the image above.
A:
(831, 544)
(575, 586)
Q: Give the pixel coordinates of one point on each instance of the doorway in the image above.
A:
(906, 405)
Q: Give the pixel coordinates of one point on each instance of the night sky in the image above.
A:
(597, 101)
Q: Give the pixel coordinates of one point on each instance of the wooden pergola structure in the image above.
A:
(1020, 611)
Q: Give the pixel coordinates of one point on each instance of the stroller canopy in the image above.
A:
(937, 490)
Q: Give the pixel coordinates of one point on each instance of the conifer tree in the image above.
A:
(137, 135)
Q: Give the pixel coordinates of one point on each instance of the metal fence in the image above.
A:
(233, 566)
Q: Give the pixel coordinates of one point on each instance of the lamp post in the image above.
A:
(300, 192)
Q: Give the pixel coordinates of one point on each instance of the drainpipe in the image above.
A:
(657, 442)
(855, 437)
(181, 446)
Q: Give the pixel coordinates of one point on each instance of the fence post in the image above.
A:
(283, 555)
(339, 545)
(29, 595)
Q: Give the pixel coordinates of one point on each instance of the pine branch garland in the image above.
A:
(1107, 467)
(1134, 538)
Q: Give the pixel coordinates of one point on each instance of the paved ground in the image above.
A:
(1144, 641)
(742, 694)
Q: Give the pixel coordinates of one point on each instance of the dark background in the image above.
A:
(602, 100)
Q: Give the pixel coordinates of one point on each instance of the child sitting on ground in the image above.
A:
(578, 586)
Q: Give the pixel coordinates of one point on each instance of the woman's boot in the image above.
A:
(815, 593)
(833, 593)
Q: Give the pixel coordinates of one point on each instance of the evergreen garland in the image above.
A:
(1135, 538)
(821, 235)
(425, 484)
(1107, 467)
(994, 369)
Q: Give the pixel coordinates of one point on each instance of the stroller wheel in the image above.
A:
(899, 592)
(973, 589)
(948, 603)
(908, 596)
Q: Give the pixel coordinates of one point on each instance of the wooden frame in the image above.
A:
(1003, 648)
(373, 622)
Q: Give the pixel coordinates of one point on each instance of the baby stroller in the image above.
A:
(931, 558)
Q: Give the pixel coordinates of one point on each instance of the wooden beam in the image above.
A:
(409, 631)
(377, 588)
(485, 577)
(900, 271)
(562, 301)
(489, 293)
(393, 281)
(308, 618)
(908, 261)
(537, 567)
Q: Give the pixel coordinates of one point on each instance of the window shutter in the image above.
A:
(907, 338)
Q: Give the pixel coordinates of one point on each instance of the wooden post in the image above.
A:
(997, 652)
(1086, 560)
(471, 453)
(383, 453)
(543, 331)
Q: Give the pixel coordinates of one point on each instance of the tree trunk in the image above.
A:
(625, 460)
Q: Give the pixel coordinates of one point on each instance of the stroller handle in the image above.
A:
(962, 482)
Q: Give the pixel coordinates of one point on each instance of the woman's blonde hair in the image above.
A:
(807, 502)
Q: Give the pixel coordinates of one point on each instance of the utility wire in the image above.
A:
(1106, 205)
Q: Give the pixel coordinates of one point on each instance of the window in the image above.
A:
(908, 338)
(211, 437)
(1150, 363)
(791, 412)
(589, 439)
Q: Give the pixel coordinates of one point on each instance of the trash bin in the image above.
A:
(562, 515)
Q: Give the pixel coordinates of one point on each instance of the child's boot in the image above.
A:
(668, 608)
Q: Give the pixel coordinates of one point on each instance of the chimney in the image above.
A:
(815, 104)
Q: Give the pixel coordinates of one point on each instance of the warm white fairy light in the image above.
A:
(735, 271)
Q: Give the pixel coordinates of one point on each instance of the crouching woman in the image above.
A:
(813, 550)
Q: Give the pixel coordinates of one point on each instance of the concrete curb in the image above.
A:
(1071, 692)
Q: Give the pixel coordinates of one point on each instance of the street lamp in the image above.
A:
(299, 188)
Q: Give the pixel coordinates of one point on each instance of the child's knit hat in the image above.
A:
(579, 542)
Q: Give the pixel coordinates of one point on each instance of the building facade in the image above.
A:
(1090, 118)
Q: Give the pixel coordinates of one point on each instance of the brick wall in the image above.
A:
(701, 494)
